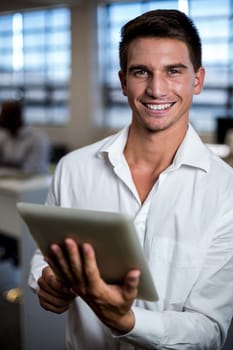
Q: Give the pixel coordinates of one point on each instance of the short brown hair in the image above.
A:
(172, 24)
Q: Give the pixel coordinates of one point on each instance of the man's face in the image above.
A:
(160, 82)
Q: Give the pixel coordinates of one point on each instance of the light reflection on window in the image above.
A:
(35, 62)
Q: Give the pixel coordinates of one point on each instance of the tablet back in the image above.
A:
(112, 235)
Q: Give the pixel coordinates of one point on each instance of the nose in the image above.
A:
(157, 86)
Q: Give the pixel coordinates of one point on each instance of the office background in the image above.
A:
(60, 57)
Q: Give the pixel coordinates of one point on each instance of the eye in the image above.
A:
(140, 73)
(173, 71)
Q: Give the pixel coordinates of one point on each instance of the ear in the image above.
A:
(199, 81)
(122, 78)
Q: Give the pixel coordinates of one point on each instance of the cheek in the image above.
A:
(135, 89)
(127, 91)
(185, 89)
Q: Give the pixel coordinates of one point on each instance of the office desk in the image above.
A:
(40, 329)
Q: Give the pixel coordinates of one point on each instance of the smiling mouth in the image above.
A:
(158, 107)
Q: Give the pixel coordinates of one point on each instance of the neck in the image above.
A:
(148, 154)
(156, 149)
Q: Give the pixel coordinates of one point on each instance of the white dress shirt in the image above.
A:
(186, 230)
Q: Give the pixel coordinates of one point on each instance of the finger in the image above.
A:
(52, 295)
(60, 275)
(53, 304)
(53, 298)
(90, 265)
(53, 308)
(74, 254)
(131, 283)
(49, 282)
(60, 262)
(57, 271)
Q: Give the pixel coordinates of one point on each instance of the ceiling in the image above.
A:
(14, 5)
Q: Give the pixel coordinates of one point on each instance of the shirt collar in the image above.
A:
(192, 152)
(114, 147)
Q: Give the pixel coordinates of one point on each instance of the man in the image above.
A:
(178, 192)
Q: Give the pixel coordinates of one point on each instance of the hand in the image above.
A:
(111, 303)
(53, 295)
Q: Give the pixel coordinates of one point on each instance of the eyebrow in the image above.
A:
(146, 68)
(176, 65)
(137, 66)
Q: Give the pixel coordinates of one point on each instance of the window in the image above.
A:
(35, 63)
(213, 23)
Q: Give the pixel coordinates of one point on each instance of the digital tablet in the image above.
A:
(112, 235)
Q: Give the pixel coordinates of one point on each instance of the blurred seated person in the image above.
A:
(22, 147)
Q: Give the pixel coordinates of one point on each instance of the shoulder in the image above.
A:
(83, 162)
(77, 171)
(219, 168)
(86, 153)
(219, 183)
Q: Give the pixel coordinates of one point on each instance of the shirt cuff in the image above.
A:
(148, 329)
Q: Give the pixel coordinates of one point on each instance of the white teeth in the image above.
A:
(159, 107)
